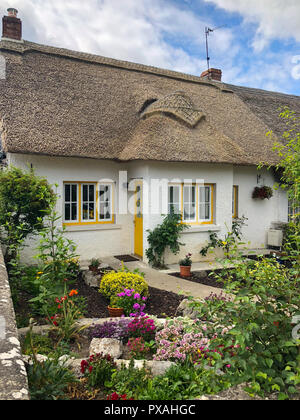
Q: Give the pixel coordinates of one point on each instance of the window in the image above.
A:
(105, 202)
(174, 199)
(71, 202)
(193, 202)
(88, 203)
(235, 201)
(88, 195)
(205, 204)
(189, 203)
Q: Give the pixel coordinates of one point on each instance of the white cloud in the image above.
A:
(165, 34)
(129, 30)
(276, 19)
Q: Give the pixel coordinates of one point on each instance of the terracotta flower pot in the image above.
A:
(94, 269)
(185, 270)
(115, 312)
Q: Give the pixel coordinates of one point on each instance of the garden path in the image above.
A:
(163, 281)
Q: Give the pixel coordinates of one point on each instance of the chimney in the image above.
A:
(12, 26)
(212, 74)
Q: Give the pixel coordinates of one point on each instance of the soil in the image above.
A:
(160, 303)
(202, 278)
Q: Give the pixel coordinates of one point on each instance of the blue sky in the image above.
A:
(258, 46)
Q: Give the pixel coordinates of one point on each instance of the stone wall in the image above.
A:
(13, 378)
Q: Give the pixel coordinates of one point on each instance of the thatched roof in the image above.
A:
(64, 103)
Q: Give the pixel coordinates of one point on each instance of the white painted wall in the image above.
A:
(107, 240)
(102, 241)
(260, 213)
(196, 237)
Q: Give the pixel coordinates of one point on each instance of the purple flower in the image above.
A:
(121, 294)
(144, 298)
(137, 296)
(136, 306)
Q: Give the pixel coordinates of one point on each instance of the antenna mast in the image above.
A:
(207, 32)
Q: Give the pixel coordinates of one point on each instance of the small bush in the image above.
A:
(111, 329)
(113, 283)
(48, 380)
(98, 369)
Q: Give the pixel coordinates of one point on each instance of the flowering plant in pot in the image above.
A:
(133, 303)
(262, 192)
(114, 308)
(185, 265)
(94, 265)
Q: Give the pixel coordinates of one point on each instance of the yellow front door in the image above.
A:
(138, 219)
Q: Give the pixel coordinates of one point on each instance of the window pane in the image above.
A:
(74, 211)
(174, 199)
(105, 202)
(85, 215)
(92, 211)
(74, 193)
(205, 203)
(85, 192)
(91, 193)
(207, 211)
(67, 212)
(202, 212)
(67, 193)
(189, 203)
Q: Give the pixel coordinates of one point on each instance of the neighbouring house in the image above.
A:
(126, 142)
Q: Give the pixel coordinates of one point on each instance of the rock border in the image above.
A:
(13, 376)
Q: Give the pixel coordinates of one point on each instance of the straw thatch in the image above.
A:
(63, 103)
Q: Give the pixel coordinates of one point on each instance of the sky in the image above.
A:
(255, 43)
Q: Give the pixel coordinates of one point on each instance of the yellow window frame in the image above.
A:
(79, 204)
(212, 192)
(235, 198)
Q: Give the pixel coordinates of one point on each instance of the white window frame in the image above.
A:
(101, 184)
(89, 220)
(210, 204)
(189, 202)
(179, 186)
(71, 202)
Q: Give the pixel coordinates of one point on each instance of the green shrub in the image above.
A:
(113, 283)
(98, 369)
(166, 235)
(24, 201)
(183, 382)
(129, 380)
(257, 324)
(48, 380)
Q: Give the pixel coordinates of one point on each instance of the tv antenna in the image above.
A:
(207, 32)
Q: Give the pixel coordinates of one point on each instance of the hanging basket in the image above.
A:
(262, 192)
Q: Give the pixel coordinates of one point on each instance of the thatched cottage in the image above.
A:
(126, 142)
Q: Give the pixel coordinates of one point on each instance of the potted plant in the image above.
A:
(185, 266)
(114, 309)
(262, 192)
(94, 265)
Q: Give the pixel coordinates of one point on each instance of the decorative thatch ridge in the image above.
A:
(177, 104)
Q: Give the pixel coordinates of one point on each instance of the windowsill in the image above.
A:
(84, 228)
(202, 228)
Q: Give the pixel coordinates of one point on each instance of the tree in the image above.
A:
(289, 152)
(24, 201)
